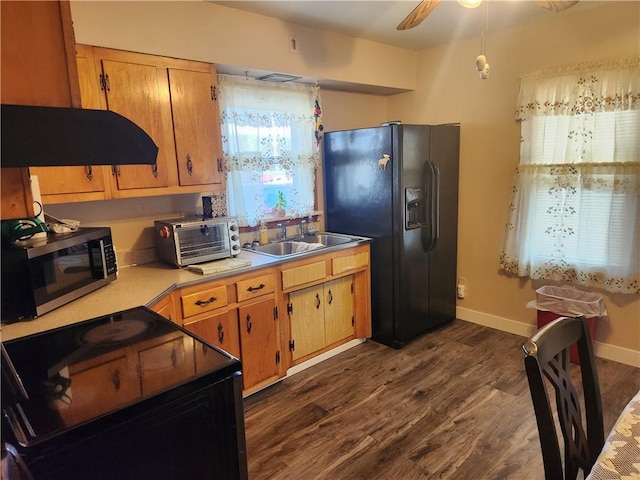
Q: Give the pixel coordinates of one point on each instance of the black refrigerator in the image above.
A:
(398, 184)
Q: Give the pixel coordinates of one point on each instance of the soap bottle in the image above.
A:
(264, 237)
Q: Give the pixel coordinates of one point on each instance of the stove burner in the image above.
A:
(116, 332)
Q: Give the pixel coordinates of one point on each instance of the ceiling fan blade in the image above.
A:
(424, 8)
(556, 6)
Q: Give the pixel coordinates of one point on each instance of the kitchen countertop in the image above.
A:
(143, 285)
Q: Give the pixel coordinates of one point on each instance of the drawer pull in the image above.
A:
(259, 287)
(318, 300)
(220, 333)
(202, 303)
(249, 324)
(116, 380)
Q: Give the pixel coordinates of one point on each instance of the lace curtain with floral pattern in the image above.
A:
(575, 208)
(270, 148)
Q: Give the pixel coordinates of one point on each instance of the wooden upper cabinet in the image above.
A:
(196, 126)
(38, 54)
(38, 68)
(68, 184)
(136, 87)
(174, 101)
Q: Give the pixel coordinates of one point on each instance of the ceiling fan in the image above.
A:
(425, 7)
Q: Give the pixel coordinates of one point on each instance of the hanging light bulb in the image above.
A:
(482, 65)
(470, 3)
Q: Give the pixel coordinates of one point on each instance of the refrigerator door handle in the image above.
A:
(435, 205)
(431, 231)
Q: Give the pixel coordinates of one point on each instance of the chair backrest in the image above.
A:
(547, 357)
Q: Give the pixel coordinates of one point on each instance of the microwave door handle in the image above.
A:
(103, 258)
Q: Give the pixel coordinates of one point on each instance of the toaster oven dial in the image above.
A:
(164, 232)
(235, 237)
(233, 227)
(235, 247)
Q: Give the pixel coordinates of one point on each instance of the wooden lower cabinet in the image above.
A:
(320, 316)
(219, 329)
(315, 305)
(259, 332)
(166, 307)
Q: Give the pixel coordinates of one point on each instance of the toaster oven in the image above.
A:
(185, 241)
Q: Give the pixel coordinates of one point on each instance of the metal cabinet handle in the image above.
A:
(318, 302)
(220, 333)
(154, 169)
(89, 172)
(214, 93)
(259, 287)
(249, 324)
(202, 303)
(330, 297)
(116, 379)
(219, 161)
(115, 170)
(189, 165)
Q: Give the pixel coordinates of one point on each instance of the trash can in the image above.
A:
(555, 302)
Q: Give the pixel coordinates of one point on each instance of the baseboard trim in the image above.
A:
(324, 356)
(601, 350)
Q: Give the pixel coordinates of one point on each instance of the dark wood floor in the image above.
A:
(454, 404)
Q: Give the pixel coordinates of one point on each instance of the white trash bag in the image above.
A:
(568, 302)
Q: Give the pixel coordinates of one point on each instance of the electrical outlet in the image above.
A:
(461, 288)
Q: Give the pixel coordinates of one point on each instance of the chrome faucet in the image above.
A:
(283, 231)
(303, 228)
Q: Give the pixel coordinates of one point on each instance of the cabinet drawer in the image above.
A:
(255, 287)
(304, 274)
(204, 301)
(350, 262)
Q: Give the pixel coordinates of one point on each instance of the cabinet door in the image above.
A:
(196, 126)
(76, 180)
(307, 311)
(220, 330)
(138, 91)
(338, 312)
(166, 307)
(259, 330)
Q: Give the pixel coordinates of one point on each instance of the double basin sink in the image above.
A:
(302, 244)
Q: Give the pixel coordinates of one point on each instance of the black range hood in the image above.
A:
(55, 136)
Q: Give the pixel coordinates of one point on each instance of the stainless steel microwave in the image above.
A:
(45, 275)
(185, 241)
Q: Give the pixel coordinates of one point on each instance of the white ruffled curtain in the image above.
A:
(268, 143)
(574, 215)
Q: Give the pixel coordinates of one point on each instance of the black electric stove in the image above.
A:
(126, 395)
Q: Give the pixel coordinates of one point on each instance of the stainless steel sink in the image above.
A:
(327, 239)
(301, 245)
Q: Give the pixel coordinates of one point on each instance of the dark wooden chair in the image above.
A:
(547, 357)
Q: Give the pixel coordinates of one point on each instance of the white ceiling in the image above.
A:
(377, 20)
